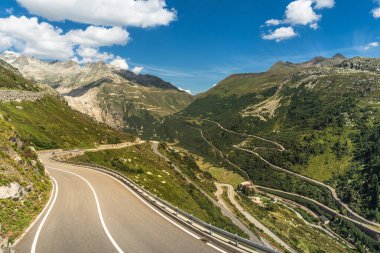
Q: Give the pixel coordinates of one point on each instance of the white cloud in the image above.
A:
(107, 18)
(5, 42)
(42, 40)
(137, 70)
(30, 37)
(321, 4)
(120, 63)
(88, 54)
(140, 13)
(300, 12)
(314, 26)
(376, 12)
(280, 34)
(371, 45)
(188, 91)
(274, 22)
(95, 36)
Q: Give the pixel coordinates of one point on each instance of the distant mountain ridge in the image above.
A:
(114, 96)
(45, 71)
(318, 61)
(145, 80)
(278, 70)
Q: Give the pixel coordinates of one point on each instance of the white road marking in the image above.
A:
(38, 217)
(154, 209)
(33, 250)
(214, 247)
(146, 203)
(99, 211)
(159, 213)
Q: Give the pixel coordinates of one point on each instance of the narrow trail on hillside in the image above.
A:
(280, 147)
(375, 227)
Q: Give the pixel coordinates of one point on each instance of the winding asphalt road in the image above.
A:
(92, 212)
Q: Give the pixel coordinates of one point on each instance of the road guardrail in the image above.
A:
(197, 224)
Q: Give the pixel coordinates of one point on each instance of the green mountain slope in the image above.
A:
(49, 123)
(325, 113)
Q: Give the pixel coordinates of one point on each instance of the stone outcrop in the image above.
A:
(14, 191)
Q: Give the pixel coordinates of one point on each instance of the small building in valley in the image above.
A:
(324, 220)
(246, 188)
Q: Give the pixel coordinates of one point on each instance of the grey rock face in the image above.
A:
(14, 191)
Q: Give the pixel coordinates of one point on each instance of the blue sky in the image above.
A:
(195, 44)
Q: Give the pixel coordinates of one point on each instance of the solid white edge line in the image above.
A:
(34, 245)
(158, 212)
(216, 248)
(117, 247)
(38, 217)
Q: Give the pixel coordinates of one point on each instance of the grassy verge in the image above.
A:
(220, 174)
(19, 164)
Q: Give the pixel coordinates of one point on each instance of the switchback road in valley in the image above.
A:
(90, 211)
(355, 217)
(249, 217)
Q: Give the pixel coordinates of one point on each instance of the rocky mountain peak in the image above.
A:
(320, 61)
(21, 61)
(145, 80)
(66, 65)
(70, 64)
(339, 56)
(96, 65)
